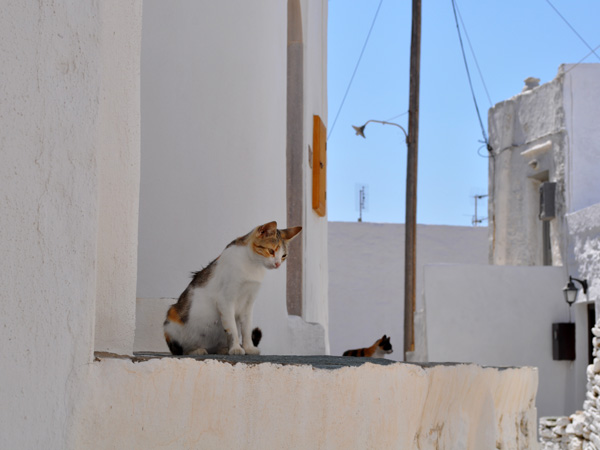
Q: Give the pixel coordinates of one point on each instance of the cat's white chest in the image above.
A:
(236, 281)
(237, 270)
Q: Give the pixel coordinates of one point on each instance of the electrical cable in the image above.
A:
(395, 117)
(485, 139)
(479, 152)
(573, 29)
(582, 59)
(355, 69)
(473, 53)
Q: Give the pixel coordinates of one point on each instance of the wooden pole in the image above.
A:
(412, 141)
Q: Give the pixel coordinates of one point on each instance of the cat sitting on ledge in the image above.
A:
(379, 349)
(217, 304)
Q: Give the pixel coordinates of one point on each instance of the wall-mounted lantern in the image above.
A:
(570, 290)
(563, 334)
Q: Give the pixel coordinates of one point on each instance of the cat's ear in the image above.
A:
(290, 233)
(384, 337)
(267, 228)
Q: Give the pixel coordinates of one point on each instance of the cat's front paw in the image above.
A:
(252, 350)
(198, 351)
(237, 351)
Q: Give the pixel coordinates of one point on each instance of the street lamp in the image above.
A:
(360, 131)
(410, 241)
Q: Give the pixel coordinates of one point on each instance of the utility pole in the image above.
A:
(412, 141)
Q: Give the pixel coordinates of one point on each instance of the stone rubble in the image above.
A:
(579, 431)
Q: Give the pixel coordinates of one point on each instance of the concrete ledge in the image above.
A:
(315, 361)
(273, 402)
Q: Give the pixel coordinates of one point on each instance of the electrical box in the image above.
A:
(319, 167)
(547, 201)
(563, 341)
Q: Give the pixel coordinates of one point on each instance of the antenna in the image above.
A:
(475, 219)
(361, 202)
(362, 195)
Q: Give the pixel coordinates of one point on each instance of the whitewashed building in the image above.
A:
(544, 190)
(78, 112)
(75, 143)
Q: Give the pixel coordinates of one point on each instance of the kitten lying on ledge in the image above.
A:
(379, 349)
(217, 304)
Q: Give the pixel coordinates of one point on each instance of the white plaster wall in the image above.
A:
(314, 22)
(213, 141)
(502, 316)
(119, 180)
(366, 277)
(213, 134)
(208, 405)
(581, 99)
(58, 87)
(213, 145)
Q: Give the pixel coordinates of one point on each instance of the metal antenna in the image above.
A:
(361, 202)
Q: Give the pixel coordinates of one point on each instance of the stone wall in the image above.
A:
(579, 431)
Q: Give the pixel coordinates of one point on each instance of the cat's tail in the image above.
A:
(174, 346)
(256, 336)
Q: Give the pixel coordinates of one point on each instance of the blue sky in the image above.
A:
(512, 40)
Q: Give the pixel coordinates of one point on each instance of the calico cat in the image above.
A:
(216, 307)
(379, 349)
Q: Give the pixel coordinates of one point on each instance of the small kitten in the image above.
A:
(216, 307)
(379, 349)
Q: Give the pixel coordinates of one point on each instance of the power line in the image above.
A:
(573, 29)
(582, 59)
(485, 139)
(395, 117)
(473, 53)
(355, 69)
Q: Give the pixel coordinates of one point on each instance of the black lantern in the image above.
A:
(563, 334)
(570, 290)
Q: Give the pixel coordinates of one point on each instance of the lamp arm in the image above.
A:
(383, 122)
(584, 284)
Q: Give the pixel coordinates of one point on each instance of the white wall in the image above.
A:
(213, 135)
(119, 179)
(366, 277)
(502, 316)
(270, 406)
(314, 22)
(213, 146)
(64, 73)
(581, 100)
